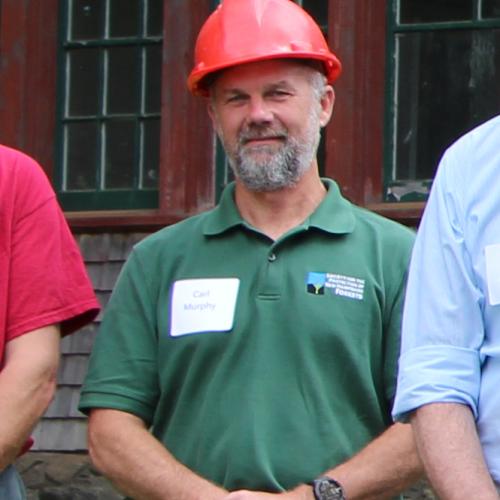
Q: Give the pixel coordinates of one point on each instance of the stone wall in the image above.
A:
(70, 476)
(63, 476)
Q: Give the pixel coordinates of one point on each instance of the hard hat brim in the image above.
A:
(201, 78)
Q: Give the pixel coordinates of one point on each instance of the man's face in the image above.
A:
(268, 117)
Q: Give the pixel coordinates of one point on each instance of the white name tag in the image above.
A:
(492, 256)
(203, 305)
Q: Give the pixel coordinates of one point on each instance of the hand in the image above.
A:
(302, 492)
(250, 495)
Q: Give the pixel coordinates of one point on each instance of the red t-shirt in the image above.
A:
(42, 276)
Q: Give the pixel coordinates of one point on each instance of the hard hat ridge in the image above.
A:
(243, 31)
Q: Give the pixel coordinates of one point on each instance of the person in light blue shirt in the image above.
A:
(449, 372)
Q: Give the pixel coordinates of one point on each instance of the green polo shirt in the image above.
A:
(258, 363)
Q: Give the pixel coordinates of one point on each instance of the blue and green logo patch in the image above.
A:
(337, 284)
(316, 283)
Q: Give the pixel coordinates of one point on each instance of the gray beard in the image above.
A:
(273, 171)
(267, 169)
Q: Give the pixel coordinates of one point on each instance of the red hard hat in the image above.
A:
(243, 31)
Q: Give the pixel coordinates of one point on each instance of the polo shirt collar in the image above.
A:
(225, 215)
(333, 215)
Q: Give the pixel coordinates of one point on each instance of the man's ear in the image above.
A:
(327, 102)
(213, 116)
(210, 109)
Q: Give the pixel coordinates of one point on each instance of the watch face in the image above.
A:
(326, 488)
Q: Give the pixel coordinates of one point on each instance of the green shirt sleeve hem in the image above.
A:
(91, 400)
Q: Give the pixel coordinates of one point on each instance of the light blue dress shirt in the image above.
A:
(451, 328)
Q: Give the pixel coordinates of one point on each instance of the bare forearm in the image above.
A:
(449, 446)
(381, 470)
(384, 468)
(27, 385)
(20, 411)
(138, 464)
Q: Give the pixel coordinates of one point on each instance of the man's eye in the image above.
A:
(235, 98)
(279, 93)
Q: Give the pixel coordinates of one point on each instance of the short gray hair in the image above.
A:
(318, 83)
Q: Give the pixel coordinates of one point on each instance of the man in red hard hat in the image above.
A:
(258, 341)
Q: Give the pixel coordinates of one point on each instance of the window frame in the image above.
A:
(396, 28)
(358, 33)
(100, 196)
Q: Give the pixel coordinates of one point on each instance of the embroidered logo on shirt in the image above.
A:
(337, 284)
(316, 283)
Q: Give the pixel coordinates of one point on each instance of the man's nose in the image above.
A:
(259, 111)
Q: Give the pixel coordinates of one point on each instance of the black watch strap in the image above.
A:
(327, 488)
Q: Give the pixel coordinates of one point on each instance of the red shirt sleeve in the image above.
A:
(47, 280)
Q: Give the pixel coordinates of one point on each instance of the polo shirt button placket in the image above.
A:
(271, 277)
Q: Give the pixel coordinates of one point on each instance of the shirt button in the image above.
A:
(271, 257)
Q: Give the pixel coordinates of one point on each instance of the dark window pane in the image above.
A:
(491, 8)
(448, 82)
(318, 9)
(86, 19)
(123, 80)
(83, 88)
(153, 79)
(155, 18)
(430, 11)
(151, 149)
(81, 142)
(120, 141)
(124, 18)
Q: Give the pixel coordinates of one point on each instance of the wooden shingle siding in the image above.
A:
(65, 403)
(63, 427)
(80, 342)
(104, 274)
(57, 434)
(103, 248)
(72, 369)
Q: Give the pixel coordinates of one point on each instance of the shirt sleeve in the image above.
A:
(48, 282)
(442, 322)
(392, 331)
(123, 369)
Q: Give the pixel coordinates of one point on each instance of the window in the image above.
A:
(108, 130)
(318, 11)
(443, 77)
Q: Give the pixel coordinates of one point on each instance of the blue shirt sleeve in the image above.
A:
(442, 323)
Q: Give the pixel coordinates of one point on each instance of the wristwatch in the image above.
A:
(326, 488)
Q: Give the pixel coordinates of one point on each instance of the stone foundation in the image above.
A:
(69, 476)
(63, 476)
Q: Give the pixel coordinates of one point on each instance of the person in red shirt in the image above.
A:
(45, 293)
